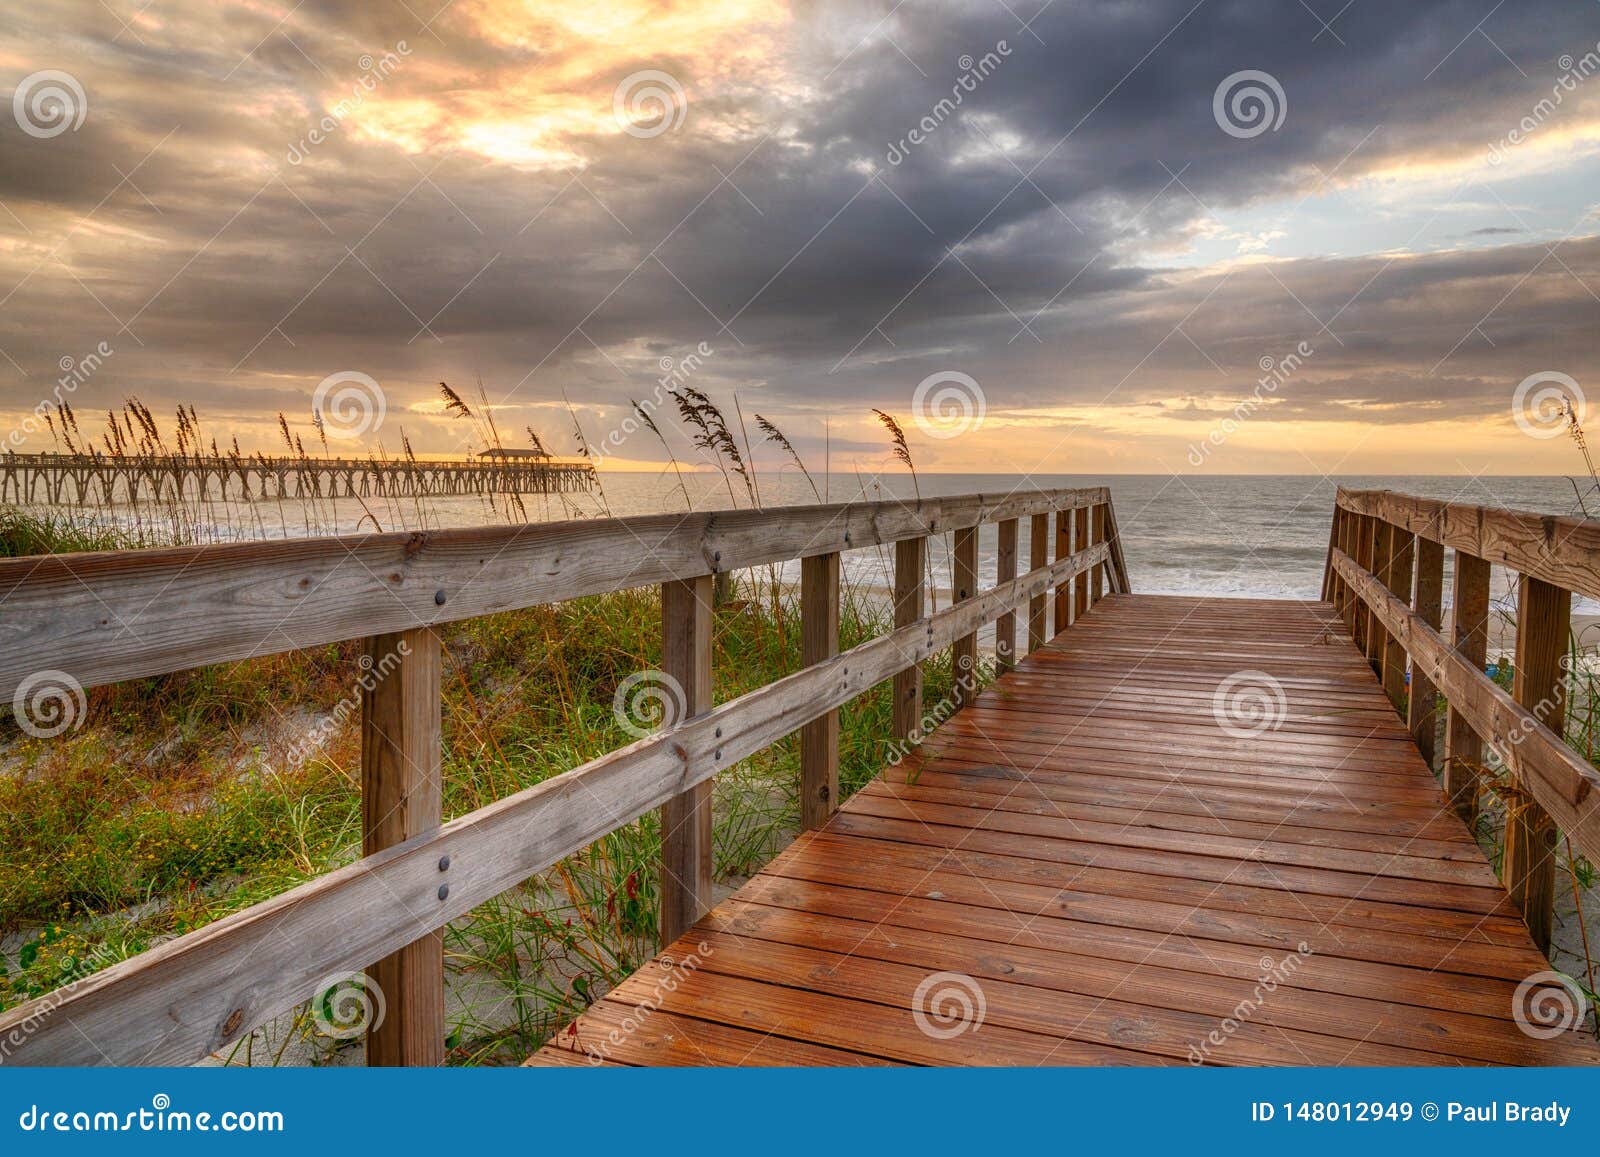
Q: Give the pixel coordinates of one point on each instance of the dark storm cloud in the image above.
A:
(1015, 242)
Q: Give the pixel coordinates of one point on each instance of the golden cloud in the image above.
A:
(558, 64)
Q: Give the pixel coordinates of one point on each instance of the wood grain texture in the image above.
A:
(1469, 635)
(1382, 543)
(1402, 561)
(1063, 599)
(1422, 706)
(964, 652)
(401, 798)
(1080, 585)
(686, 818)
(1544, 619)
(1330, 593)
(1365, 530)
(1005, 567)
(819, 642)
(1540, 761)
(1111, 905)
(1564, 552)
(1350, 533)
(1038, 557)
(910, 596)
(1097, 578)
(106, 617)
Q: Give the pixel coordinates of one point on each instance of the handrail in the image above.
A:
(184, 999)
(1562, 551)
(111, 616)
(1384, 574)
(1560, 780)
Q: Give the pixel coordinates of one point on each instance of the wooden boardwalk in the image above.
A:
(1105, 874)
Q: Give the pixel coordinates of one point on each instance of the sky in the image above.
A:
(1296, 236)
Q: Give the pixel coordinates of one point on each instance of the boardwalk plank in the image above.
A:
(1115, 875)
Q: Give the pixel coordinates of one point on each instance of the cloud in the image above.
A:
(480, 210)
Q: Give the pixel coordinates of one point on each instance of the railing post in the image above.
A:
(1362, 539)
(819, 641)
(1063, 598)
(401, 797)
(686, 818)
(1005, 567)
(1428, 601)
(910, 560)
(1351, 534)
(1333, 585)
(1330, 581)
(1469, 634)
(1038, 605)
(964, 652)
(1080, 540)
(1097, 583)
(1378, 564)
(1544, 616)
(1398, 580)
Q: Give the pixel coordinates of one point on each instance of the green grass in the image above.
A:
(28, 532)
(173, 804)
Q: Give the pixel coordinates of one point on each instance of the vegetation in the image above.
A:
(189, 796)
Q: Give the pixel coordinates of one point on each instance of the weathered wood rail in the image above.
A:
(1385, 573)
(102, 618)
(83, 479)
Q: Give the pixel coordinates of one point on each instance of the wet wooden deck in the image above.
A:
(1089, 869)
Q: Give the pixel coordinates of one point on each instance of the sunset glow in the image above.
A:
(840, 203)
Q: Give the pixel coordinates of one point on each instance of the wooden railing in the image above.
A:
(102, 618)
(1385, 574)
